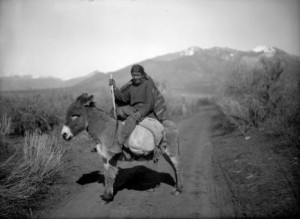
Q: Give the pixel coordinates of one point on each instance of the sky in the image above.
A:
(72, 38)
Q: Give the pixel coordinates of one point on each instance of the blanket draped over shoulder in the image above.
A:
(160, 106)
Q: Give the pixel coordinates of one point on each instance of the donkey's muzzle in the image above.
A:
(66, 133)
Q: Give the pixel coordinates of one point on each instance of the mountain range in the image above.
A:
(29, 82)
(194, 70)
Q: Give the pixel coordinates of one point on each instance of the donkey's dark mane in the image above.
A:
(103, 111)
(83, 97)
(100, 109)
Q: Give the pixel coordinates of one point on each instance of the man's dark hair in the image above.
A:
(137, 68)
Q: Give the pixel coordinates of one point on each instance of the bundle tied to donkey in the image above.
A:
(147, 135)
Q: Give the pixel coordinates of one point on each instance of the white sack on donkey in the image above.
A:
(146, 136)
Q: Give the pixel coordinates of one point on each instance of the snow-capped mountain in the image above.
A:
(190, 51)
(194, 69)
(222, 52)
(268, 50)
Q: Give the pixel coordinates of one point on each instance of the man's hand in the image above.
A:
(112, 82)
(137, 116)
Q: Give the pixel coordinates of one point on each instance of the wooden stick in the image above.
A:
(113, 97)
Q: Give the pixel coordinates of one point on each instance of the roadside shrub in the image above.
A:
(182, 105)
(5, 127)
(41, 160)
(264, 93)
(236, 113)
(34, 110)
(204, 101)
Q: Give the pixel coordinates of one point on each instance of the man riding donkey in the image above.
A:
(136, 100)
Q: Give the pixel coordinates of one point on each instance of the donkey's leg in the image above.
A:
(173, 160)
(171, 153)
(110, 172)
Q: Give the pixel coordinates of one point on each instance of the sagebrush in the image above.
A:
(34, 110)
(40, 162)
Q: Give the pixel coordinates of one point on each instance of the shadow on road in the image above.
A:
(138, 178)
(91, 177)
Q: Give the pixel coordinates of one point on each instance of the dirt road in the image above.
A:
(144, 188)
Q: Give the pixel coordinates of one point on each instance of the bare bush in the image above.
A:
(41, 161)
(236, 113)
(264, 93)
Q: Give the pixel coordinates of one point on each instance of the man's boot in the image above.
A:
(126, 130)
(124, 135)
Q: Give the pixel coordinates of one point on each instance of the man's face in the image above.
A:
(137, 77)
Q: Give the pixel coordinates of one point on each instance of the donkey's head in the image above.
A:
(76, 117)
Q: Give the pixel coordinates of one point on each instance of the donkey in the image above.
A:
(83, 114)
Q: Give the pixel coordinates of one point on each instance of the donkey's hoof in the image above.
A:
(176, 192)
(107, 197)
(104, 202)
(94, 150)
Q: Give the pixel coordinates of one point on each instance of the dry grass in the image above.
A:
(5, 125)
(5, 128)
(262, 178)
(34, 110)
(41, 161)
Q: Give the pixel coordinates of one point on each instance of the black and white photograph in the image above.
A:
(149, 109)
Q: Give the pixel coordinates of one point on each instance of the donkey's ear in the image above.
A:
(82, 97)
(89, 101)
